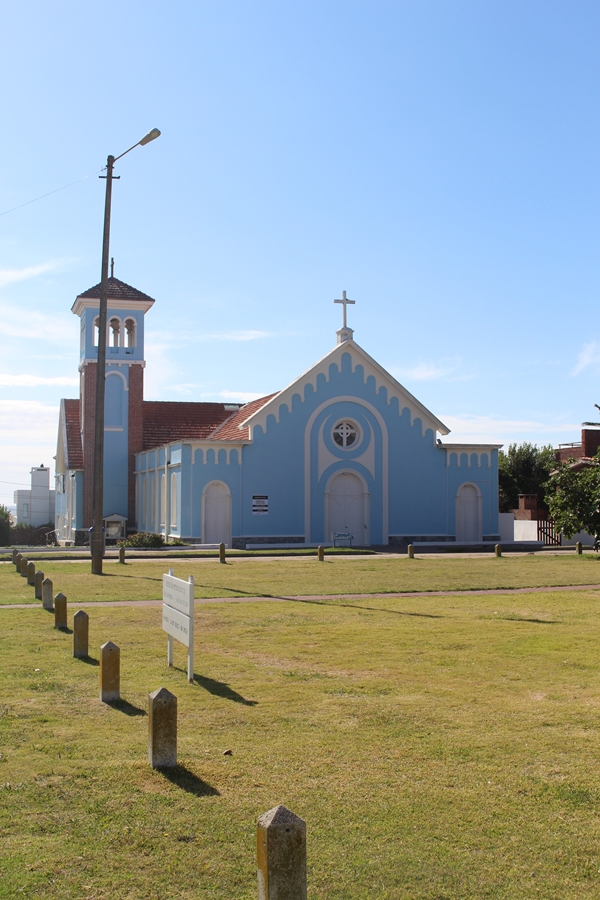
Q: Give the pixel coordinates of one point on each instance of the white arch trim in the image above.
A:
(112, 372)
(384, 461)
(479, 506)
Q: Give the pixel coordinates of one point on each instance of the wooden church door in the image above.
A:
(216, 514)
(346, 507)
(468, 526)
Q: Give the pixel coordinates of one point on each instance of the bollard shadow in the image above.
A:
(222, 689)
(187, 781)
(126, 707)
(89, 660)
(65, 629)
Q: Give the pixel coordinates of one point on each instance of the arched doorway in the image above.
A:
(216, 514)
(468, 515)
(346, 507)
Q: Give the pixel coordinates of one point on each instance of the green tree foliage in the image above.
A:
(4, 526)
(524, 469)
(573, 499)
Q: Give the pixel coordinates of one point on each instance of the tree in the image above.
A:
(4, 526)
(523, 469)
(573, 497)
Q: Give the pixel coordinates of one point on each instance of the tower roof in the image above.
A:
(117, 290)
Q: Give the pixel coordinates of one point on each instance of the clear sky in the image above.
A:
(437, 159)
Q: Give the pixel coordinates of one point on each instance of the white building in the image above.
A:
(36, 506)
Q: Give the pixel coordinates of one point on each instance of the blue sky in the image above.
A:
(437, 160)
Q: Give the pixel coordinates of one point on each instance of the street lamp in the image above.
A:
(96, 535)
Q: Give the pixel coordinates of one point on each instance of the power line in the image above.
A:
(55, 191)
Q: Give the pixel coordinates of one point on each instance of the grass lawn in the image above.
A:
(142, 580)
(438, 748)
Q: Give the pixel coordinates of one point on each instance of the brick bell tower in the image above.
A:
(123, 412)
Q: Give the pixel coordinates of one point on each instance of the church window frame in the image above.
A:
(346, 434)
(130, 333)
(163, 501)
(96, 332)
(173, 500)
(115, 332)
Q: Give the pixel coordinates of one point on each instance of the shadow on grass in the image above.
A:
(89, 660)
(187, 781)
(222, 689)
(379, 609)
(126, 707)
(525, 619)
(66, 630)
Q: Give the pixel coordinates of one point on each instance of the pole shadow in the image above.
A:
(186, 780)
(126, 707)
(222, 689)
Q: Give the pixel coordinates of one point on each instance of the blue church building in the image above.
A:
(344, 448)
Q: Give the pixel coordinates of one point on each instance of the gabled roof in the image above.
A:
(117, 290)
(370, 367)
(71, 435)
(232, 429)
(166, 422)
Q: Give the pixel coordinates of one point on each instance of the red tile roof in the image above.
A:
(117, 290)
(73, 450)
(165, 422)
(230, 430)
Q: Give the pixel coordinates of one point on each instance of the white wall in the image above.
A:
(506, 526)
(526, 531)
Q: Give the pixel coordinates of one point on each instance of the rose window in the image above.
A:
(345, 434)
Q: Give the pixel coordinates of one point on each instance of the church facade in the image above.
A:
(343, 449)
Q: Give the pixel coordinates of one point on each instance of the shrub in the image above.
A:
(4, 526)
(143, 539)
(33, 535)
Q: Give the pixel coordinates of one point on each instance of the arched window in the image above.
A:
(163, 499)
(96, 331)
(173, 500)
(130, 332)
(115, 328)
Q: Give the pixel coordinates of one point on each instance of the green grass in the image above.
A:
(142, 580)
(438, 747)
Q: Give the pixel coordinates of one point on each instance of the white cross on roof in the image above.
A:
(344, 301)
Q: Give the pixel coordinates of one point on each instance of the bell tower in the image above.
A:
(123, 411)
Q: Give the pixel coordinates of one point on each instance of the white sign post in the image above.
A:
(178, 616)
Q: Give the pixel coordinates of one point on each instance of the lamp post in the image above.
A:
(96, 535)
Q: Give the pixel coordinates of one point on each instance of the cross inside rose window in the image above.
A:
(345, 434)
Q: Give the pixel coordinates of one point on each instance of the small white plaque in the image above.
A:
(178, 594)
(176, 624)
(260, 505)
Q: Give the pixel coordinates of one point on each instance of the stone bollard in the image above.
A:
(60, 612)
(321, 553)
(39, 578)
(15, 553)
(122, 555)
(110, 672)
(24, 564)
(162, 729)
(221, 553)
(498, 550)
(578, 548)
(411, 551)
(17, 562)
(31, 574)
(47, 594)
(281, 855)
(81, 630)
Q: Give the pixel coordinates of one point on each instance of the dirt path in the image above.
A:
(308, 598)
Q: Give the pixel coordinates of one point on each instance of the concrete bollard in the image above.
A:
(110, 672)
(411, 551)
(24, 564)
(162, 729)
(578, 548)
(122, 555)
(281, 855)
(81, 631)
(47, 594)
(321, 553)
(17, 562)
(31, 574)
(39, 578)
(60, 611)
(221, 553)
(498, 550)
(15, 553)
